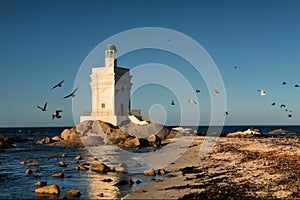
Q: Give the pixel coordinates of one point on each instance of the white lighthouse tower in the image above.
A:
(110, 90)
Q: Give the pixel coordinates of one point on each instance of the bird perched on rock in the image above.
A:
(58, 84)
(192, 101)
(43, 108)
(261, 92)
(57, 114)
(72, 94)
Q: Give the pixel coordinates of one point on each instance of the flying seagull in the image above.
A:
(197, 91)
(72, 94)
(282, 106)
(284, 83)
(289, 115)
(261, 92)
(58, 84)
(273, 104)
(296, 85)
(235, 67)
(172, 102)
(192, 101)
(217, 93)
(226, 113)
(57, 114)
(43, 108)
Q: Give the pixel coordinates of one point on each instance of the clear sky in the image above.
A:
(44, 42)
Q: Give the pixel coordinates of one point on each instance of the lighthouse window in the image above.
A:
(103, 105)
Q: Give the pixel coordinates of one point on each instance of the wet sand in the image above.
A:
(236, 168)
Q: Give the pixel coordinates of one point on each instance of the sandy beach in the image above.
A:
(236, 168)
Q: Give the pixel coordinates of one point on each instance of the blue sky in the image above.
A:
(44, 42)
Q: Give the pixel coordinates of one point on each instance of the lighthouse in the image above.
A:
(110, 87)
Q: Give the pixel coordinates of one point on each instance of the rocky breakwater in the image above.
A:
(6, 143)
(93, 133)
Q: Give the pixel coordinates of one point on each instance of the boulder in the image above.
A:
(41, 183)
(23, 162)
(68, 143)
(46, 140)
(63, 155)
(81, 168)
(62, 164)
(51, 189)
(154, 140)
(131, 142)
(162, 171)
(73, 193)
(56, 138)
(28, 172)
(246, 134)
(78, 158)
(149, 172)
(58, 175)
(34, 163)
(100, 168)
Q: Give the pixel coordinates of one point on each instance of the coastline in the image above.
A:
(235, 168)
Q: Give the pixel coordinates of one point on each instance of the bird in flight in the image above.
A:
(217, 93)
(72, 94)
(235, 67)
(172, 102)
(43, 108)
(296, 85)
(289, 115)
(282, 106)
(273, 104)
(58, 84)
(261, 92)
(197, 91)
(57, 114)
(226, 113)
(192, 101)
(284, 83)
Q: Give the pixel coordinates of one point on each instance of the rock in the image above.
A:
(162, 171)
(28, 172)
(247, 133)
(73, 193)
(44, 141)
(138, 181)
(58, 175)
(34, 163)
(121, 182)
(69, 134)
(78, 158)
(63, 155)
(130, 182)
(56, 138)
(278, 131)
(107, 180)
(131, 142)
(41, 183)
(51, 189)
(149, 172)
(100, 168)
(4, 145)
(68, 143)
(154, 140)
(62, 164)
(81, 168)
(119, 169)
(23, 162)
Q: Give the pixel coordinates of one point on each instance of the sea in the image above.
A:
(15, 184)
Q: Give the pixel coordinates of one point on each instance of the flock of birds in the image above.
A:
(261, 93)
(57, 112)
(282, 106)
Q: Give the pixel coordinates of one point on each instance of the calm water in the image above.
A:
(16, 185)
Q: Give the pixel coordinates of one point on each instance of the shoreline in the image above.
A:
(235, 168)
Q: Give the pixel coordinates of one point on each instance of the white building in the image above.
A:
(110, 91)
